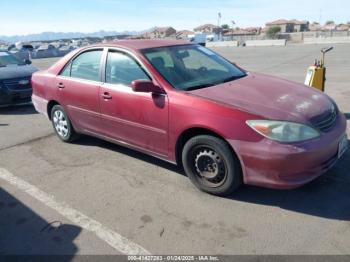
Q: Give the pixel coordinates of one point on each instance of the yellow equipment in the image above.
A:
(316, 74)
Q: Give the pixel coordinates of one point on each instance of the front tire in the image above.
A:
(62, 124)
(211, 165)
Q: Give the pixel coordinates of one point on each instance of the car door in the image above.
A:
(78, 90)
(139, 119)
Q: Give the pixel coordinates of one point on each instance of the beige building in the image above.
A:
(161, 32)
(343, 27)
(289, 26)
(208, 28)
(315, 27)
(244, 31)
(183, 34)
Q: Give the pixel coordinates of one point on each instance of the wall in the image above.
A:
(280, 42)
(327, 40)
(221, 44)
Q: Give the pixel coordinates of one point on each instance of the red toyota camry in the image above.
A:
(186, 104)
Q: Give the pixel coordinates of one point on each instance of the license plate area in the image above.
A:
(343, 146)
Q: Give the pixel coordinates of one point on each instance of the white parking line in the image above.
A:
(112, 238)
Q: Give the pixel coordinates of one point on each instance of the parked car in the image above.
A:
(21, 54)
(63, 50)
(186, 104)
(45, 51)
(15, 76)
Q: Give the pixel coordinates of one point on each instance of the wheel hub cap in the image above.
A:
(60, 123)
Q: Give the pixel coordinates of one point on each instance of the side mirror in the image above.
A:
(27, 61)
(145, 86)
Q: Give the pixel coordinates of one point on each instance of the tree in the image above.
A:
(329, 22)
(273, 31)
(225, 26)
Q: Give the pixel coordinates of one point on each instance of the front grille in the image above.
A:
(15, 83)
(325, 121)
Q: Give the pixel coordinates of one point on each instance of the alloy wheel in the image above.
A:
(60, 123)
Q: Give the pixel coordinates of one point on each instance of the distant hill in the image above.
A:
(48, 36)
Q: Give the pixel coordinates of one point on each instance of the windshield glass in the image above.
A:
(190, 67)
(8, 59)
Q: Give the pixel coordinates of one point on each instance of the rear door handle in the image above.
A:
(106, 96)
(60, 85)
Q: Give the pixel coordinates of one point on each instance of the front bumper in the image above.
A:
(284, 166)
(10, 97)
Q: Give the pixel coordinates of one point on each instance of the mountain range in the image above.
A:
(49, 36)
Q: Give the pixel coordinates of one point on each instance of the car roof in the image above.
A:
(145, 44)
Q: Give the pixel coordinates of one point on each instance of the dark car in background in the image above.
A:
(15, 79)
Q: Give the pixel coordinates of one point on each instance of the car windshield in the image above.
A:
(189, 67)
(9, 59)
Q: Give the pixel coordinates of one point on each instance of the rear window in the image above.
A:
(85, 66)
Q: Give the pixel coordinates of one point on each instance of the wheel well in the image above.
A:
(50, 105)
(187, 135)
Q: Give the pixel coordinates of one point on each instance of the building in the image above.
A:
(183, 34)
(243, 31)
(208, 28)
(329, 26)
(162, 32)
(300, 26)
(315, 27)
(289, 26)
(343, 27)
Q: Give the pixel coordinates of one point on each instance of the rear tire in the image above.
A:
(211, 165)
(62, 124)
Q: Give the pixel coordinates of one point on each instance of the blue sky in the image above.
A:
(35, 16)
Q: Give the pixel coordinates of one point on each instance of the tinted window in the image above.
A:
(122, 69)
(86, 66)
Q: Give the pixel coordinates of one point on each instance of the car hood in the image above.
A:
(269, 97)
(10, 72)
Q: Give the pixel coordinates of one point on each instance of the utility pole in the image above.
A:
(233, 27)
(219, 19)
(219, 25)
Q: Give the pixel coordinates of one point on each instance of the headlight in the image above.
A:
(282, 131)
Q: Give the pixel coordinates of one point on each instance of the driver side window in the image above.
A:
(122, 69)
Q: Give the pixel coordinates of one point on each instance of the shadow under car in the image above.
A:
(328, 196)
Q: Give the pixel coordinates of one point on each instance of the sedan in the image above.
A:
(183, 103)
(15, 75)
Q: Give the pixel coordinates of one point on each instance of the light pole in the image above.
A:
(219, 26)
(233, 27)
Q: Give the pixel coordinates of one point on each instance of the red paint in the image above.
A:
(153, 123)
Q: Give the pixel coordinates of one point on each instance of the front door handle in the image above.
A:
(60, 85)
(106, 96)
